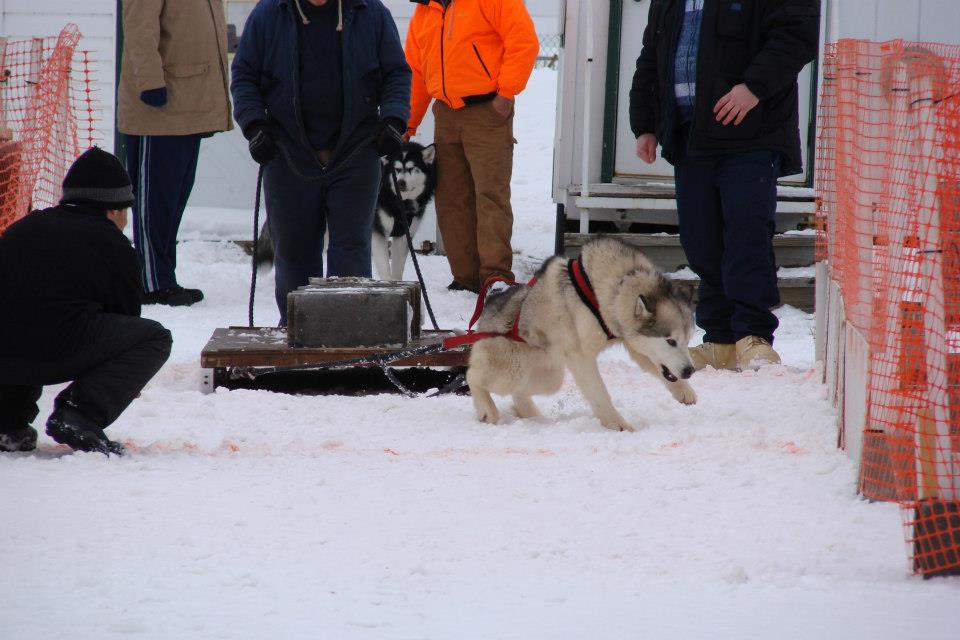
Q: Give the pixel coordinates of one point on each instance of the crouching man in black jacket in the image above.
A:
(70, 301)
(716, 87)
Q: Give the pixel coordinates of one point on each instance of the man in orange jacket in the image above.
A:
(472, 57)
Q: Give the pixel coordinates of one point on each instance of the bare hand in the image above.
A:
(647, 148)
(735, 106)
(502, 105)
(406, 137)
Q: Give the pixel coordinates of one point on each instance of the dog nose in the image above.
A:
(402, 185)
(687, 372)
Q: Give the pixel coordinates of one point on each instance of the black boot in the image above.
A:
(23, 439)
(174, 297)
(459, 286)
(68, 426)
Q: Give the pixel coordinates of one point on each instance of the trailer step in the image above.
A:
(665, 189)
(664, 250)
(796, 291)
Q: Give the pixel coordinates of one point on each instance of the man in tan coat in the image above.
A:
(173, 92)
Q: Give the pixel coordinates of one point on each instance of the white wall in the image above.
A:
(42, 18)
(545, 14)
(918, 20)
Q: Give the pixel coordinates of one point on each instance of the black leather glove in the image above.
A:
(389, 140)
(263, 141)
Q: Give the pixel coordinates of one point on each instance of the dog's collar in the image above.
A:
(578, 276)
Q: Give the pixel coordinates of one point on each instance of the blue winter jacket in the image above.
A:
(266, 77)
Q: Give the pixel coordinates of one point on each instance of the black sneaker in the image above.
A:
(457, 286)
(24, 439)
(174, 297)
(68, 427)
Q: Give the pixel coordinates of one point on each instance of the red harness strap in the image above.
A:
(472, 336)
(588, 296)
(578, 276)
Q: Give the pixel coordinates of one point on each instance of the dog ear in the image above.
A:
(429, 153)
(645, 307)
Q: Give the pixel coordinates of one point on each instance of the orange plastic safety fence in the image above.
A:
(44, 85)
(889, 217)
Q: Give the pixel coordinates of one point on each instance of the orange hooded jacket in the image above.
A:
(468, 48)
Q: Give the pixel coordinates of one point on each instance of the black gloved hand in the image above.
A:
(263, 141)
(389, 140)
(154, 97)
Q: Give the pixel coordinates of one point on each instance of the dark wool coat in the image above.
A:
(763, 43)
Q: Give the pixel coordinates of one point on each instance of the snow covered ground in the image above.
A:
(248, 514)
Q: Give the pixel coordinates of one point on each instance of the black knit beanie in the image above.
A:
(98, 179)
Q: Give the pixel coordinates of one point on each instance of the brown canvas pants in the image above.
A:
(474, 165)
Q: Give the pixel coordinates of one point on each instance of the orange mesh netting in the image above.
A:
(42, 91)
(888, 180)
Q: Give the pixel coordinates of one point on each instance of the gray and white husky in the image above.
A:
(417, 180)
(641, 309)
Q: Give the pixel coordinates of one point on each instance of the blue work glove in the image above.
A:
(154, 97)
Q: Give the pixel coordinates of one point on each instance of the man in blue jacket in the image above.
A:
(321, 89)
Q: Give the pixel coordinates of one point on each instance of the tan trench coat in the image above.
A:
(180, 45)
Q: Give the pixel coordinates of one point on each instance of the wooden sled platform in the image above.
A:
(235, 349)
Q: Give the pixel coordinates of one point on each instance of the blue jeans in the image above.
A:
(300, 212)
(162, 169)
(726, 206)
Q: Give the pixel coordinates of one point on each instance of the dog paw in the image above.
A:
(683, 393)
(617, 423)
(490, 415)
(525, 409)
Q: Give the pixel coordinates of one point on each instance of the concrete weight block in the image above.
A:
(353, 312)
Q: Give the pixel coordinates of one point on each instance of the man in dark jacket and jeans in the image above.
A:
(716, 87)
(70, 300)
(321, 89)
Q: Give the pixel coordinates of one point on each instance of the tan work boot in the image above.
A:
(753, 352)
(715, 354)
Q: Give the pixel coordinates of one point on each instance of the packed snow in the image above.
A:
(250, 514)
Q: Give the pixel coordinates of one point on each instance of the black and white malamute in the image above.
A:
(417, 180)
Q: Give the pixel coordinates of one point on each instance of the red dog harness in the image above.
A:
(581, 283)
(578, 276)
